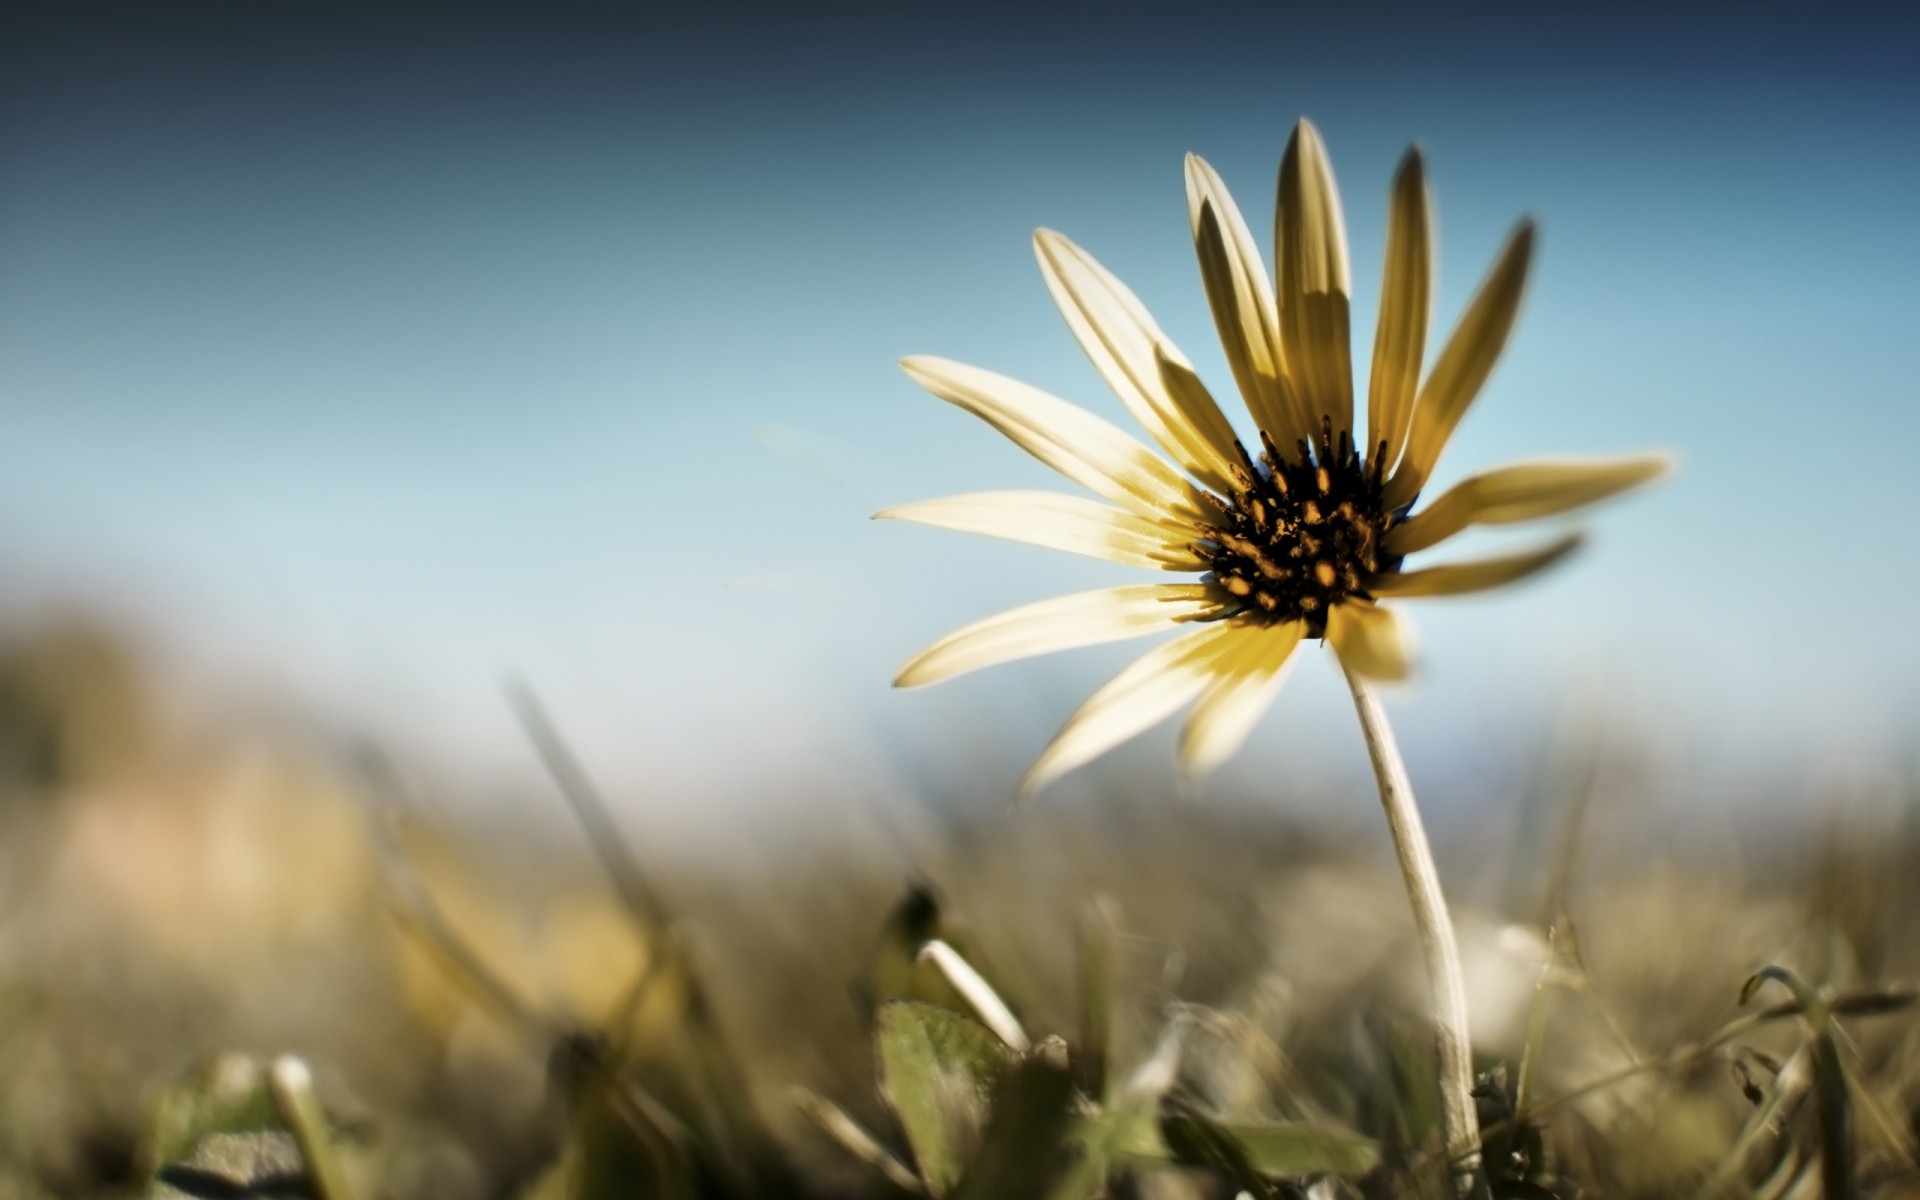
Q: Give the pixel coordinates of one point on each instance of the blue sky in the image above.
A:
(376, 358)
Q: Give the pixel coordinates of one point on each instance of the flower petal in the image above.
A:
(1476, 575)
(1234, 701)
(1136, 359)
(1068, 438)
(1062, 623)
(1371, 641)
(1406, 303)
(1310, 250)
(1242, 302)
(1523, 492)
(1146, 692)
(1070, 523)
(1463, 366)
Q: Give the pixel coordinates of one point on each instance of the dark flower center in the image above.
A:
(1300, 533)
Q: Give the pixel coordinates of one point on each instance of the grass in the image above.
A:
(1216, 1002)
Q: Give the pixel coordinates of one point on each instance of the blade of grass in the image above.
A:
(291, 1084)
(843, 1129)
(979, 995)
(1829, 1079)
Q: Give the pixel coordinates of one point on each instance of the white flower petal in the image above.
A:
(1476, 575)
(1227, 712)
(1463, 366)
(1068, 438)
(1058, 522)
(1062, 623)
(1372, 642)
(1242, 302)
(1310, 249)
(1145, 370)
(1523, 492)
(1146, 692)
(1406, 303)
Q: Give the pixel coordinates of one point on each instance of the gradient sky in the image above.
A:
(376, 357)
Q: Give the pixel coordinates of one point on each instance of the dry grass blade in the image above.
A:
(588, 806)
(1096, 944)
(1829, 1079)
(979, 995)
(420, 916)
(1536, 1028)
(1790, 1082)
(843, 1129)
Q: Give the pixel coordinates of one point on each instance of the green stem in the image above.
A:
(292, 1087)
(1452, 1046)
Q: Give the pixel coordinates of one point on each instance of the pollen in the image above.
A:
(1300, 533)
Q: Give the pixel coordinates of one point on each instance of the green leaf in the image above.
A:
(1283, 1148)
(1021, 1152)
(1105, 1137)
(1196, 1140)
(937, 1073)
(1263, 1150)
(228, 1095)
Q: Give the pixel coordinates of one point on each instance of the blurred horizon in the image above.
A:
(362, 360)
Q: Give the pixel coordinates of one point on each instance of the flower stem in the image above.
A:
(1452, 1046)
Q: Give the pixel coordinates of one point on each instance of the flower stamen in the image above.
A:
(1299, 534)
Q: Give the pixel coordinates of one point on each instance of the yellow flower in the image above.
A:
(1298, 539)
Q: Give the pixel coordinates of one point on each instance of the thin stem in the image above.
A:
(1452, 1045)
(291, 1085)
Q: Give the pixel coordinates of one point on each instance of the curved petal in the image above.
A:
(1133, 356)
(1242, 302)
(1310, 252)
(1463, 366)
(1406, 303)
(1058, 522)
(1062, 623)
(1143, 694)
(1523, 492)
(1234, 701)
(1091, 452)
(1372, 642)
(1476, 575)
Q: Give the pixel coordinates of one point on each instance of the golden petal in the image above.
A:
(1143, 694)
(1372, 642)
(1091, 452)
(1242, 301)
(1062, 623)
(1228, 710)
(1406, 303)
(1463, 366)
(1524, 492)
(1131, 354)
(1058, 522)
(1310, 250)
(1476, 575)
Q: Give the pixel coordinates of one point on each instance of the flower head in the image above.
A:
(1296, 535)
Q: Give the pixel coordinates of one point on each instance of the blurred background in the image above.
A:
(355, 359)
